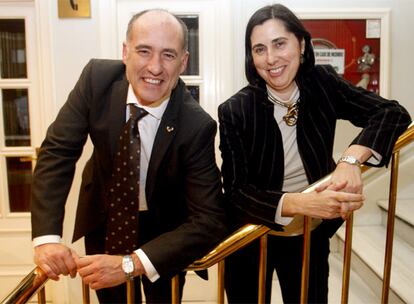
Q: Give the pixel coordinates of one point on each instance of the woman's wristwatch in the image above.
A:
(349, 159)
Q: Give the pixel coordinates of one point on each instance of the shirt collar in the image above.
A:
(156, 112)
(292, 99)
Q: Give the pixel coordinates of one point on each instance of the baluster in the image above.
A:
(175, 290)
(130, 292)
(41, 296)
(262, 269)
(220, 282)
(347, 259)
(85, 294)
(390, 226)
(305, 259)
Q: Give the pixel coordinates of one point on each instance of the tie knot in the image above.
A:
(136, 113)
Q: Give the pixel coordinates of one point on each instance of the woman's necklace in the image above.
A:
(291, 116)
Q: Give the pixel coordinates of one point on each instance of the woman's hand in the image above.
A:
(326, 204)
(347, 174)
(347, 177)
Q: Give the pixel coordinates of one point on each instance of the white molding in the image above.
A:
(108, 25)
(45, 64)
(19, 273)
(223, 52)
(10, 231)
(362, 13)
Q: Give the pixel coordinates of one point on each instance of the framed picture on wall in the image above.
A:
(347, 46)
(355, 43)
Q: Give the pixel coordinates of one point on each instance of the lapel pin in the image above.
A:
(169, 129)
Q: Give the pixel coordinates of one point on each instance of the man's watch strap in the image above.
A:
(349, 159)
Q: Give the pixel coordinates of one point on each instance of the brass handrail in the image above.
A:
(406, 138)
(36, 279)
(28, 287)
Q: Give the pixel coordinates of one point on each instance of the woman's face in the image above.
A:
(276, 55)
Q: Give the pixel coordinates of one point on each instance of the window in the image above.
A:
(18, 110)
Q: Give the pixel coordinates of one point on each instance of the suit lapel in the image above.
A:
(117, 112)
(166, 132)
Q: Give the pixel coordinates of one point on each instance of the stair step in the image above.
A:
(369, 246)
(404, 210)
(359, 291)
(404, 218)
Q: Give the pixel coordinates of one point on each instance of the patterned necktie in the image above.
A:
(123, 204)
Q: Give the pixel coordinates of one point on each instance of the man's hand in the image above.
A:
(103, 271)
(55, 259)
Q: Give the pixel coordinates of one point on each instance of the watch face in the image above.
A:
(127, 265)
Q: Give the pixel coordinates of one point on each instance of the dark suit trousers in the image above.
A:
(157, 292)
(285, 256)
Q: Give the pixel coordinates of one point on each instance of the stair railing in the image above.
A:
(34, 282)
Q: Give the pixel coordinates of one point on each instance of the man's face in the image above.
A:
(154, 57)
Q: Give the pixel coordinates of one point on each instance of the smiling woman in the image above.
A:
(276, 56)
(277, 136)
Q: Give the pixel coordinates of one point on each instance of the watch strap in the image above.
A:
(349, 159)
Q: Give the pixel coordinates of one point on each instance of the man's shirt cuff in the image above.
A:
(46, 239)
(150, 270)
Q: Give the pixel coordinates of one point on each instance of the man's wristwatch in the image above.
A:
(350, 160)
(128, 267)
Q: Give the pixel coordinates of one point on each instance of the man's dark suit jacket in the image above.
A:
(183, 187)
(252, 147)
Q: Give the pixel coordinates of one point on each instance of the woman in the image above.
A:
(276, 137)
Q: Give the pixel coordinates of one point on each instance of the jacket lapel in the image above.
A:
(166, 132)
(117, 112)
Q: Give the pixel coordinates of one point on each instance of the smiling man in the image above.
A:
(150, 202)
(155, 54)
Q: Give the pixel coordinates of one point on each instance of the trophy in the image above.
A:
(365, 63)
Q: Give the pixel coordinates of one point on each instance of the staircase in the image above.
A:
(369, 247)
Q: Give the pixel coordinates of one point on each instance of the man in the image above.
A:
(180, 214)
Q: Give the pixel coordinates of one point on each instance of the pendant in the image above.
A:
(291, 116)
